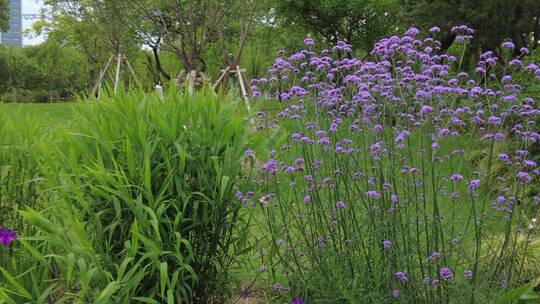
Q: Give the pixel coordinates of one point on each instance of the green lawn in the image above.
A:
(48, 113)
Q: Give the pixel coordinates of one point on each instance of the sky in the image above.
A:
(30, 10)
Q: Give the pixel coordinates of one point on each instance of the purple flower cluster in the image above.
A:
(7, 236)
(394, 136)
(402, 277)
(446, 274)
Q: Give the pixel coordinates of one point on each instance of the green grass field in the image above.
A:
(48, 114)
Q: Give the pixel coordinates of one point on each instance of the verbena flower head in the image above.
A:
(402, 277)
(456, 177)
(524, 177)
(249, 154)
(7, 236)
(435, 29)
(373, 194)
(509, 45)
(473, 185)
(297, 301)
(446, 274)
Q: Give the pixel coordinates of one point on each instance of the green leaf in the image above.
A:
(46, 293)
(514, 294)
(70, 266)
(170, 296)
(19, 289)
(107, 293)
(38, 256)
(146, 300)
(530, 296)
(5, 298)
(163, 278)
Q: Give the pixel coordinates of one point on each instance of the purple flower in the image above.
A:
(341, 205)
(277, 287)
(387, 244)
(373, 194)
(270, 167)
(529, 164)
(402, 277)
(239, 195)
(446, 274)
(297, 301)
(377, 128)
(395, 293)
(522, 153)
(309, 42)
(249, 154)
(524, 177)
(307, 198)
(412, 32)
(473, 185)
(7, 236)
(456, 177)
(494, 120)
(435, 29)
(468, 274)
(505, 158)
(434, 255)
(509, 45)
(266, 198)
(425, 110)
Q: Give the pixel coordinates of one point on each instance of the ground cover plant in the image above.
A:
(402, 178)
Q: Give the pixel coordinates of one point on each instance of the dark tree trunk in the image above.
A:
(158, 63)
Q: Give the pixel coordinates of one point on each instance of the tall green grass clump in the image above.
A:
(18, 170)
(146, 210)
(20, 188)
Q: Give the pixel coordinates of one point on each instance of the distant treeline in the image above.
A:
(162, 37)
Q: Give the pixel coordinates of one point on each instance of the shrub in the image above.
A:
(145, 207)
(380, 184)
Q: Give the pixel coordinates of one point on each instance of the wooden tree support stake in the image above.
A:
(243, 88)
(119, 60)
(238, 73)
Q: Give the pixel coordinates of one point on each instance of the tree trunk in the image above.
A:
(158, 63)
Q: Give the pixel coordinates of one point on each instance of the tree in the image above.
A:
(184, 27)
(358, 22)
(493, 20)
(95, 27)
(4, 15)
